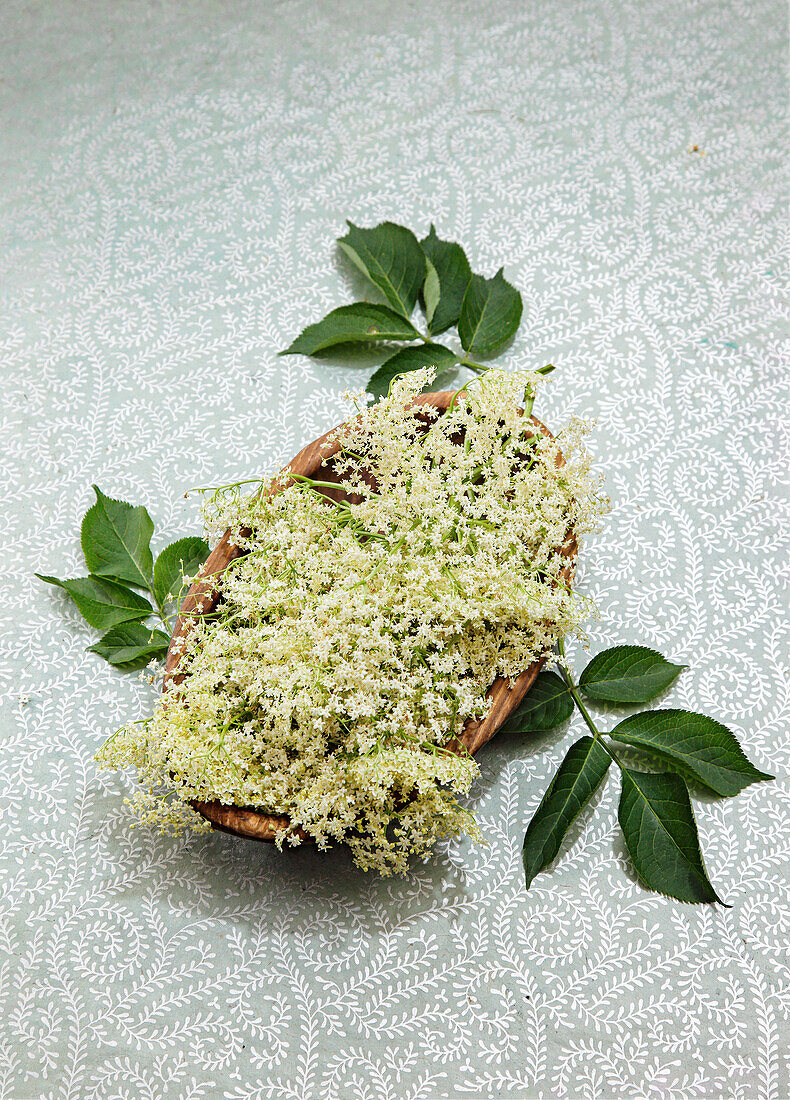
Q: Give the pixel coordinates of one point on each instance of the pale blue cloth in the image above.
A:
(174, 177)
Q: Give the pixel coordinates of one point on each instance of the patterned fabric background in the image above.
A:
(174, 176)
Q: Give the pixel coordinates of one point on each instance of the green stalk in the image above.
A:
(574, 693)
(478, 367)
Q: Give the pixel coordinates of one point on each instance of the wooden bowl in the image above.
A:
(315, 461)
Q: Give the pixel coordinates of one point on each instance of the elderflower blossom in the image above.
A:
(353, 640)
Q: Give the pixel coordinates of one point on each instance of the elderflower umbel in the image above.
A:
(354, 640)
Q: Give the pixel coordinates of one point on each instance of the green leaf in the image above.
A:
(408, 359)
(431, 291)
(547, 704)
(490, 314)
(628, 674)
(101, 602)
(694, 745)
(131, 646)
(661, 835)
(453, 271)
(180, 559)
(359, 323)
(577, 778)
(391, 257)
(116, 540)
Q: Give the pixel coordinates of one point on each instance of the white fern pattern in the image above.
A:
(168, 224)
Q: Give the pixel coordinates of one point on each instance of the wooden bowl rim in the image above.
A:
(202, 598)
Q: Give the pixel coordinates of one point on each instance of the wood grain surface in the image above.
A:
(314, 460)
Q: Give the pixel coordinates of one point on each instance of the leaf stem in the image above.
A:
(479, 368)
(574, 693)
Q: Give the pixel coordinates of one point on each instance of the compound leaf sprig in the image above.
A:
(655, 812)
(116, 545)
(486, 312)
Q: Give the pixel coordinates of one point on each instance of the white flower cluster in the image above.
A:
(354, 639)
